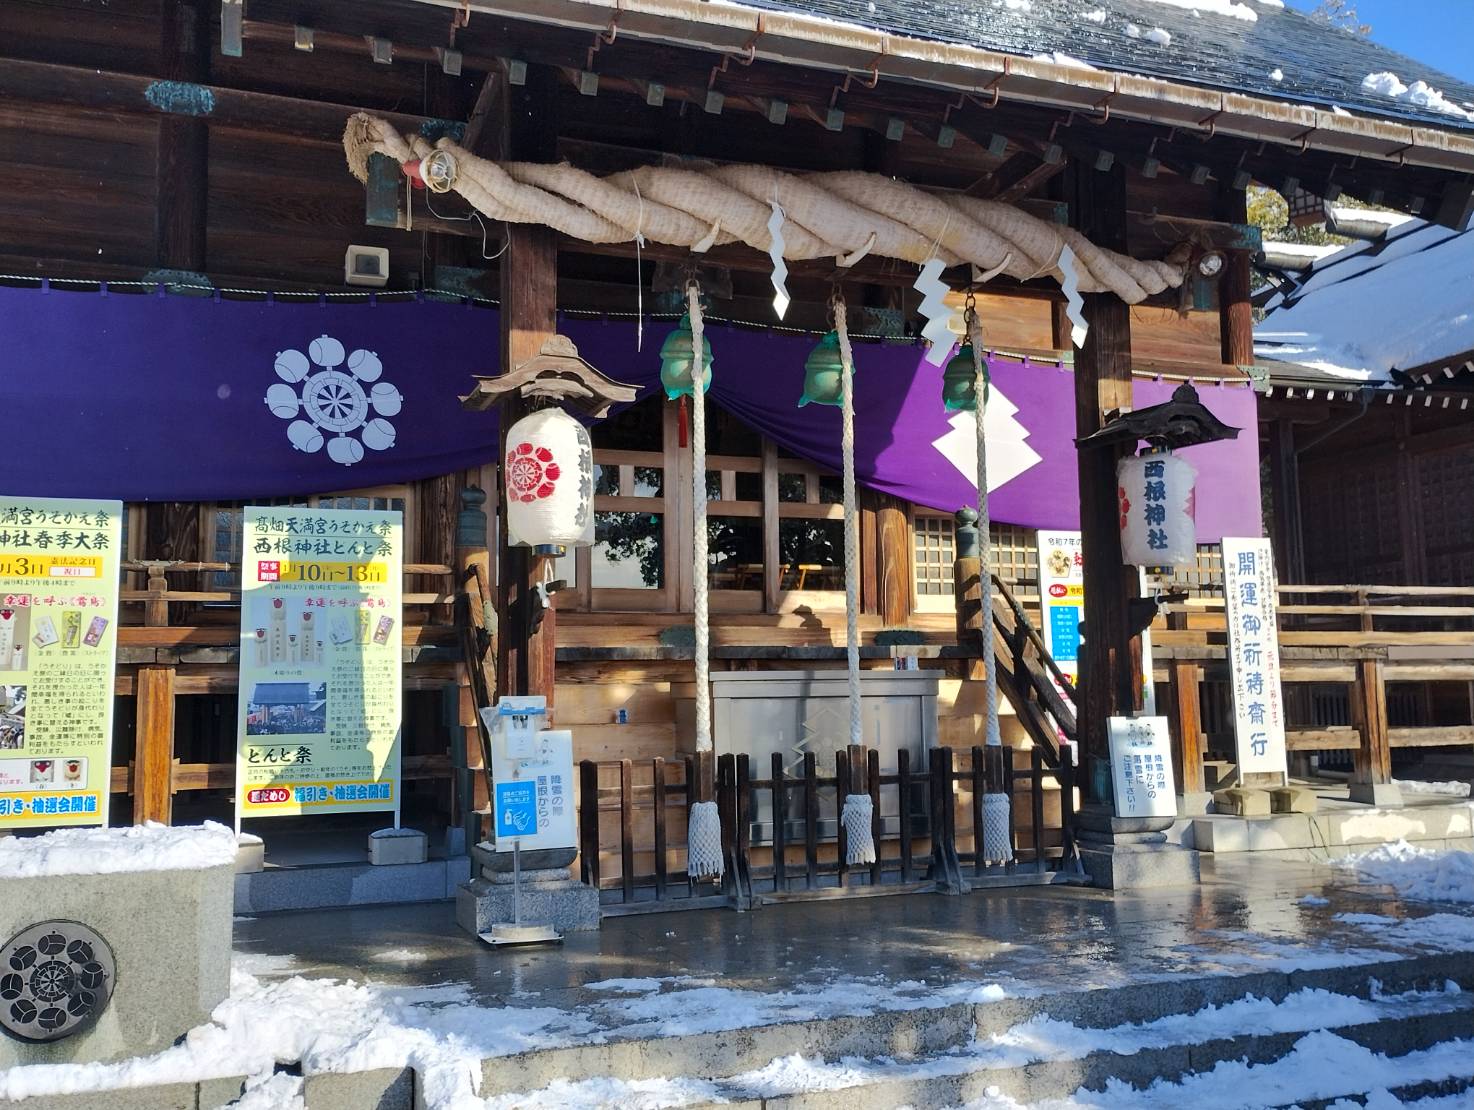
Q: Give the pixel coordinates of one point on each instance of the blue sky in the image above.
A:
(1438, 32)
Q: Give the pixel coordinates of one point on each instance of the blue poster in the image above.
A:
(516, 809)
(1064, 632)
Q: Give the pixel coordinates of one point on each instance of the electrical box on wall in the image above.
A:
(366, 266)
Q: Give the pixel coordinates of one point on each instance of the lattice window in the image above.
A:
(935, 552)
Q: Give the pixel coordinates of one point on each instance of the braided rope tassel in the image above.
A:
(704, 830)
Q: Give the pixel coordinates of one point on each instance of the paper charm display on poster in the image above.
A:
(58, 645)
(1254, 655)
(320, 691)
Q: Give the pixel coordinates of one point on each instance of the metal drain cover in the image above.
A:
(56, 977)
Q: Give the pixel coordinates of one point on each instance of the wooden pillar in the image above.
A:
(181, 163)
(529, 315)
(1284, 471)
(1110, 671)
(1372, 761)
(1235, 310)
(476, 677)
(890, 557)
(153, 760)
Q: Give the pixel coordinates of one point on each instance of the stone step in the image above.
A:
(933, 1032)
(1390, 1036)
(331, 886)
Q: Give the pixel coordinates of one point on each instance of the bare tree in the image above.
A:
(1342, 14)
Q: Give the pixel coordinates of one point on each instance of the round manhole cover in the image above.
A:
(55, 978)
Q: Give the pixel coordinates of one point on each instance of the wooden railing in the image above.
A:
(782, 835)
(1352, 641)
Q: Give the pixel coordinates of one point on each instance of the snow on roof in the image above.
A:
(100, 851)
(1372, 308)
(1342, 213)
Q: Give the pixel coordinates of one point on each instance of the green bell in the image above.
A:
(959, 384)
(824, 374)
(676, 357)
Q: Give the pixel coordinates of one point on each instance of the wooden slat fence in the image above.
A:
(783, 838)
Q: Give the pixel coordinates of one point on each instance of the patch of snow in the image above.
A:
(1410, 308)
(104, 851)
(1314, 900)
(1231, 8)
(1017, 5)
(271, 1092)
(606, 1091)
(1062, 59)
(1276, 74)
(1337, 110)
(1158, 36)
(1133, 31)
(626, 986)
(1271, 3)
(1419, 93)
(1415, 786)
(1417, 873)
(1097, 16)
(400, 956)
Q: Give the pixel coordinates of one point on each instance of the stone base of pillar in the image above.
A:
(550, 895)
(1195, 804)
(1131, 853)
(1376, 793)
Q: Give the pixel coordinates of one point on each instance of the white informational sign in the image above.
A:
(532, 777)
(1254, 655)
(1141, 767)
(1062, 597)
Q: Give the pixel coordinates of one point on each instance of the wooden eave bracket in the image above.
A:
(556, 373)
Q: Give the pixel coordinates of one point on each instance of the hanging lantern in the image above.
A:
(549, 479)
(824, 374)
(676, 356)
(958, 382)
(1156, 501)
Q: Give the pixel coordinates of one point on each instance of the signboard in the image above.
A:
(1062, 597)
(1254, 655)
(58, 646)
(1141, 767)
(532, 798)
(320, 692)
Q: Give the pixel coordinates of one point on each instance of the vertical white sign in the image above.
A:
(1141, 767)
(1254, 655)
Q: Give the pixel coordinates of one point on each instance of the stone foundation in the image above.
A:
(550, 895)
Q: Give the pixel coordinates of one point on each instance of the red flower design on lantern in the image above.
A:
(1125, 504)
(531, 472)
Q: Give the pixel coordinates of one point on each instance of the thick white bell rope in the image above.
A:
(995, 847)
(704, 829)
(860, 843)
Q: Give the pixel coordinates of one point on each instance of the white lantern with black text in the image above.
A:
(1156, 495)
(549, 479)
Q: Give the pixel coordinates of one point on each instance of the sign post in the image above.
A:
(1141, 767)
(58, 646)
(320, 662)
(1254, 657)
(532, 799)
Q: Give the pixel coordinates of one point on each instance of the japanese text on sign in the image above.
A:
(321, 630)
(58, 647)
(1141, 767)
(1253, 655)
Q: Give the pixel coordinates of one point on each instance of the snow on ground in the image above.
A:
(104, 851)
(1416, 873)
(1419, 93)
(1442, 789)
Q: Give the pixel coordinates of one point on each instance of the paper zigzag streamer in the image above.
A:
(780, 268)
(935, 311)
(1074, 303)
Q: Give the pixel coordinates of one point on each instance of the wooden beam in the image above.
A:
(1372, 760)
(181, 184)
(1020, 176)
(288, 116)
(154, 764)
(1111, 663)
(529, 316)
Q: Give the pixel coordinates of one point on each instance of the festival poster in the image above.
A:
(59, 567)
(1062, 597)
(321, 646)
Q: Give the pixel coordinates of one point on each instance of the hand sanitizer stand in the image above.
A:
(522, 892)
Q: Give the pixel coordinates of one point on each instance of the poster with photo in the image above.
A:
(59, 567)
(320, 690)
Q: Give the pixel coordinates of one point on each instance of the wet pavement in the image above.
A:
(1247, 915)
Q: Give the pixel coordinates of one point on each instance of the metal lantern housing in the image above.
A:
(676, 356)
(1156, 494)
(824, 373)
(549, 478)
(959, 393)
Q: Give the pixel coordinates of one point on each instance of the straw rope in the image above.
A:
(834, 215)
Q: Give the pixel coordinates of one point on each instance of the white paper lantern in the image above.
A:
(1155, 495)
(549, 478)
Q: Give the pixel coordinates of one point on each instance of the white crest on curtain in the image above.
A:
(344, 409)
